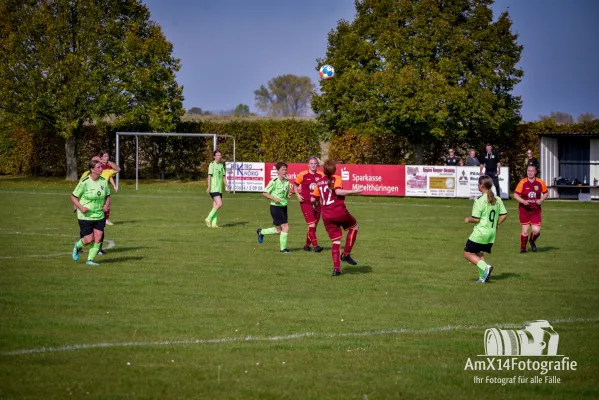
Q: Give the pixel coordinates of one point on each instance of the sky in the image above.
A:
(228, 48)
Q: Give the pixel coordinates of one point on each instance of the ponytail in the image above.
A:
(487, 183)
(329, 168)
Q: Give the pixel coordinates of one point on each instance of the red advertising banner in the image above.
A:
(375, 180)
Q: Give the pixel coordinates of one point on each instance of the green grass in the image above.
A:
(171, 279)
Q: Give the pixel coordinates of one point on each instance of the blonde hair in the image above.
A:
(487, 183)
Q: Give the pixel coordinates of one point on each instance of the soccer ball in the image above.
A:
(326, 72)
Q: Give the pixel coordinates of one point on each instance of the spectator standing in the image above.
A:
(472, 160)
(491, 163)
(453, 160)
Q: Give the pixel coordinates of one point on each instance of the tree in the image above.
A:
(195, 111)
(64, 63)
(558, 117)
(286, 95)
(422, 70)
(242, 109)
(585, 117)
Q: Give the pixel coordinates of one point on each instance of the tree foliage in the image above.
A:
(422, 70)
(242, 110)
(558, 117)
(585, 117)
(286, 95)
(64, 63)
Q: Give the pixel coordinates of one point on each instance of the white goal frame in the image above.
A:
(214, 136)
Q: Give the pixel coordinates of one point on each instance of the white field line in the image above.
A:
(351, 201)
(280, 338)
(109, 245)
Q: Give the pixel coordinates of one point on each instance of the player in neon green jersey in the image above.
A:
(488, 212)
(278, 192)
(92, 199)
(216, 177)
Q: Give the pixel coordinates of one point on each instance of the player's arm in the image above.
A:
(475, 216)
(114, 167)
(271, 197)
(297, 184)
(346, 192)
(268, 190)
(339, 191)
(519, 199)
(543, 197)
(111, 180)
(226, 182)
(75, 201)
(298, 192)
(106, 204)
(209, 179)
(518, 193)
(502, 217)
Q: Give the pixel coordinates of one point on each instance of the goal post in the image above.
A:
(214, 136)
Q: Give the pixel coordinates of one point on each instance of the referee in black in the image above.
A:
(491, 163)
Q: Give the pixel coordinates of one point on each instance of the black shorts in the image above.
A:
(215, 194)
(87, 226)
(475, 248)
(279, 215)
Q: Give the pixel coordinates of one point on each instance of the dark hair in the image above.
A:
(92, 164)
(102, 152)
(216, 151)
(487, 183)
(329, 169)
(280, 165)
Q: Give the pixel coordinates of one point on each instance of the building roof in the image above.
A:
(573, 134)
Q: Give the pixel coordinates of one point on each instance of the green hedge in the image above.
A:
(42, 154)
(257, 139)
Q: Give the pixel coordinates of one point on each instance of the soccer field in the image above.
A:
(180, 310)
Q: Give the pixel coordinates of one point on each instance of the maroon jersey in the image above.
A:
(105, 166)
(531, 192)
(333, 206)
(307, 183)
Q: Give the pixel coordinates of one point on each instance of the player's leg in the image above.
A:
(276, 221)
(335, 234)
(335, 254)
(86, 236)
(536, 232)
(102, 252)
(524, 237)
(97, 235)
(283, 237)
(212, 212)
(524, 217)
(107, 216)
(217, 203)
(350, 224)
(317, 248)
(473, 253)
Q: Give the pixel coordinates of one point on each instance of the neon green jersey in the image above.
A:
(217, 173)
(486, 229)
(92, 195)
(279, 189)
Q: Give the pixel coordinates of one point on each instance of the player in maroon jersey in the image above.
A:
(530, 193)
(335, 215)
(305, 182)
